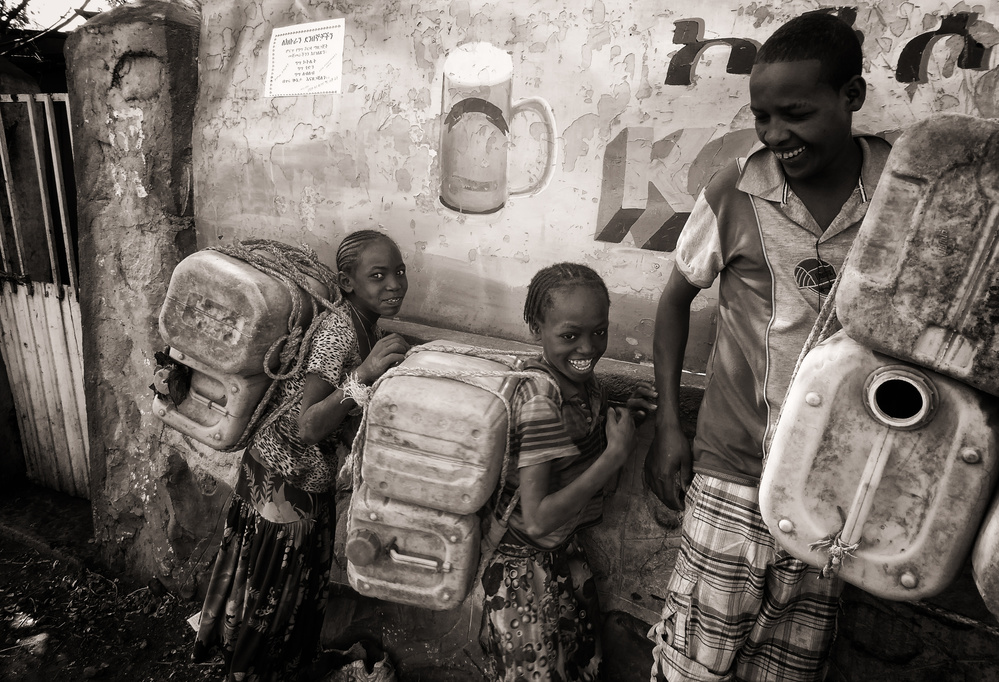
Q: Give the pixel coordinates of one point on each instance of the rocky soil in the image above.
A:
(63, 620)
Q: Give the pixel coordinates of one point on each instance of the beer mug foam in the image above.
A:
(475, 134)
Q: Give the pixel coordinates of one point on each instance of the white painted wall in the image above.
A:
(307, 169)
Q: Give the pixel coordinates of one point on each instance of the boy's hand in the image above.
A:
(669, 467)
(642, 402)
(389, 351)
(620, 430)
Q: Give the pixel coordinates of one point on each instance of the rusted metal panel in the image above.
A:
(55, 321)
(40, 326)
(40, 334)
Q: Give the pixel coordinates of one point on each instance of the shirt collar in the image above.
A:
(762, 175)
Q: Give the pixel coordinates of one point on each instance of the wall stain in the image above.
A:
(574, 139)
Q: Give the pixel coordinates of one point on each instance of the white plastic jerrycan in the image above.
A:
(218, 407)
(409, 554)
(879, 471)
(985, 559)
(437, 428)
(922, 281)
(220, 317)
(225, 313)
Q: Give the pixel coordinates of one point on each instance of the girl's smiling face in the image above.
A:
(573, 333)
(378, 283)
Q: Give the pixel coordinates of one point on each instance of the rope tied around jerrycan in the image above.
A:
(293, 267)
(492, 535)
(838, 549)
(826, 324)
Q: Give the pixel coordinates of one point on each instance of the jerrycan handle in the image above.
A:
(418, 561)
(544, 110)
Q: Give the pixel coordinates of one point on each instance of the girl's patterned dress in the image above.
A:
(267, 596)
(540, 619)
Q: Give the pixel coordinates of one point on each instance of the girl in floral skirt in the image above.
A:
(540, 616)
(267, 596)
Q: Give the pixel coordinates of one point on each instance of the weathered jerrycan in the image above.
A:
(410, 554)
(433, 444)
(879, 471)
(985, 559)
(922, 281)
(220, 317)
(437, 429)
(217, 407)
(226, 314)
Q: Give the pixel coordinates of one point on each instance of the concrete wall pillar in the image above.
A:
(133, 76)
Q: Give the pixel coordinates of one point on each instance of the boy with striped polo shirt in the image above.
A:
(774, 228)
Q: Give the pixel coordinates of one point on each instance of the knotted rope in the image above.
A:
(293, 267)
(836, 551)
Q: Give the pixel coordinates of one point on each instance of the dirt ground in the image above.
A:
(62, 620)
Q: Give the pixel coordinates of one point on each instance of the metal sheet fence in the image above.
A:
(40, 326)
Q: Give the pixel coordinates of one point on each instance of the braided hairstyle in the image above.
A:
(353, 245)
(552, 278)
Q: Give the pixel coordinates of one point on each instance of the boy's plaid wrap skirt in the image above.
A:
(738, 607)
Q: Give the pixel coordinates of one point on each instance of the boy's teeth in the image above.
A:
(580, 364)
(784, 156)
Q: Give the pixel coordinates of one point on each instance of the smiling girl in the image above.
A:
(267, 597)
(540, 615)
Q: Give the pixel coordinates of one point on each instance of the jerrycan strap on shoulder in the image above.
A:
(496, 521)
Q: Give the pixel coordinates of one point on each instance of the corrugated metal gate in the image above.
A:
(40, 332)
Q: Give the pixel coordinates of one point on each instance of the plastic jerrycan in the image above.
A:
(434, 440)
(985, 559)
(218, 406)
(409, 554)
(879, 469)
(922, 281)
(435, 436)
(220, 316)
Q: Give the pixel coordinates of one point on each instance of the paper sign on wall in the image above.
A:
(306, 59)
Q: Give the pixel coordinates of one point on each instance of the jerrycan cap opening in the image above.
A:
(900, 397)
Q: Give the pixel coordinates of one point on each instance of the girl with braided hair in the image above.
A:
(540, 616)
(267, 596)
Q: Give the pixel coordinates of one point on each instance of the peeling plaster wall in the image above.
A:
(627, 99)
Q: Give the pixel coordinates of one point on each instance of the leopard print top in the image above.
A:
(333, 356)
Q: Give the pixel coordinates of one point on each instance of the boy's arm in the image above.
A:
(668, 464)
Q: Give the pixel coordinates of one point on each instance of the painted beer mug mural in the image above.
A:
(475, 134)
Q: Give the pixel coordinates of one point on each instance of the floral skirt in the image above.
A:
(540, 619)
(267, 596)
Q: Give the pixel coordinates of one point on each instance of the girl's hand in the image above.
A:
(620, 431)
(642, 402)
(389, 351)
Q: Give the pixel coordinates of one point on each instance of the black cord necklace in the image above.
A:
(366, 326)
